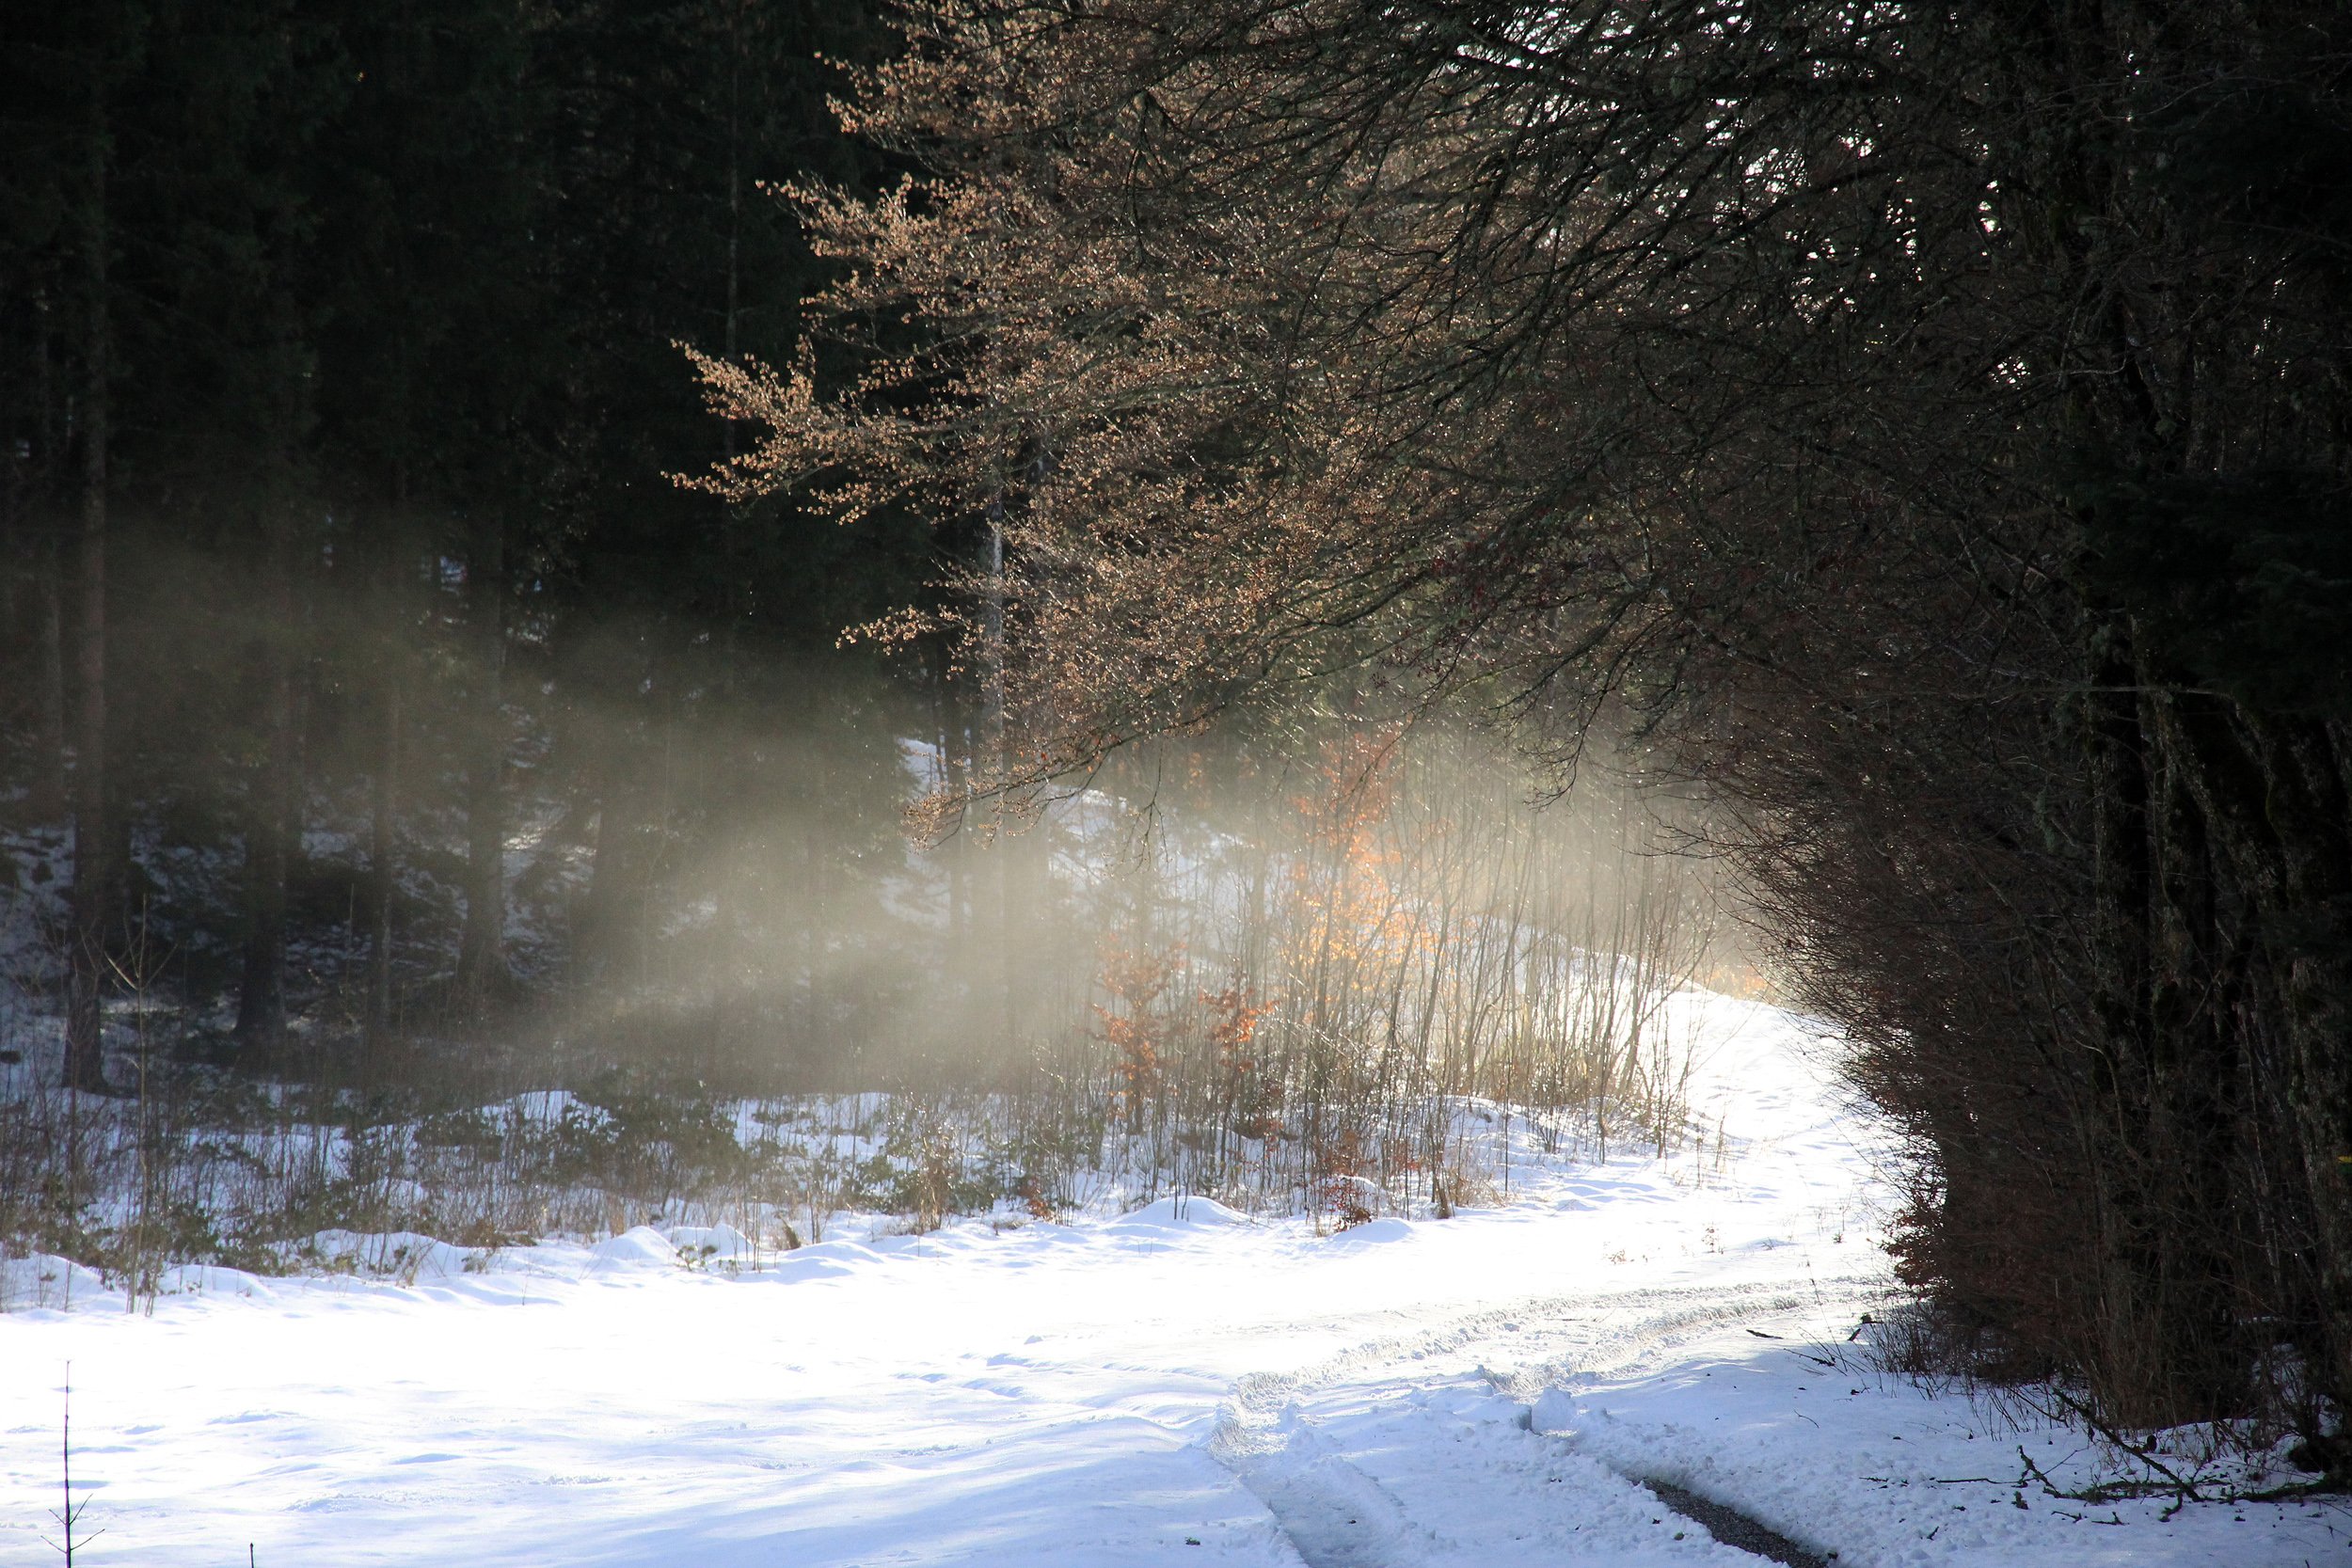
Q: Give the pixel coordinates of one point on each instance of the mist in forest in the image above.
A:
(552, 845)
(1283, 967)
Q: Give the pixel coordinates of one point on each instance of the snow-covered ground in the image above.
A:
(1181, 1385)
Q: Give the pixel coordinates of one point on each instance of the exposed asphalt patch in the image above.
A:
(1735, 1529)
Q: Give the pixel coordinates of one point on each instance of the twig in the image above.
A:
(2187, 1490)
(70, 1514)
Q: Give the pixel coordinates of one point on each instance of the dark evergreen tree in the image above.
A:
(341, 399)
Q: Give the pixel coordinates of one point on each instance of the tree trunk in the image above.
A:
(2273, 793)
(2307, 769)
(270, 807)
(49, 742)
(92, 917)
(612, 924)
(384, 784)
(483, 977)
(383, 819)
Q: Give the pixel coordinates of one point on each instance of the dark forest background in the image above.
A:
(339, 399)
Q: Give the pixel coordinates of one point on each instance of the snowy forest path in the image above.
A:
(1107, 1391)
(1186, 1387)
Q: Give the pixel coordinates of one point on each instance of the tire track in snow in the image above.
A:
(1335, 1514)
(1666, 1316)
(1332, 1514)
(1731, 1525)
(1448, 1477)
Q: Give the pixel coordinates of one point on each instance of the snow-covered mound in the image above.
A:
(1180, 1213)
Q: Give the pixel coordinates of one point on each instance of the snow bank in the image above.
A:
(1181, 1214)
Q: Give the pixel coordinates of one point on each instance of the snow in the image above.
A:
(1180, 1213)
(1184, 1384)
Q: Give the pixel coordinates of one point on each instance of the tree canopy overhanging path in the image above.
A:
(1179, 1384)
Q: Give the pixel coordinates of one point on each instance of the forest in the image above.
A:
(1221, 576)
